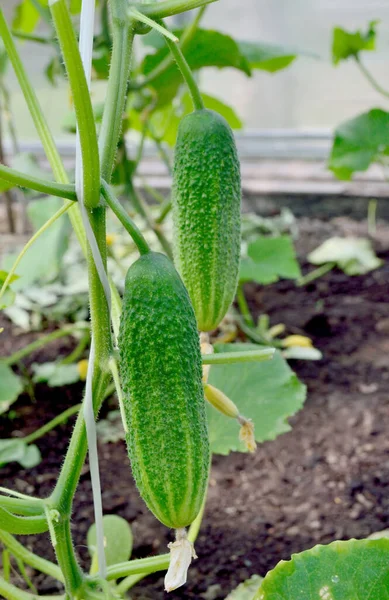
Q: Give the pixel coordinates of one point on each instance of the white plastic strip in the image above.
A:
(86, 49)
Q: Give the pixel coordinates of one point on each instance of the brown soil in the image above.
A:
(327, 479)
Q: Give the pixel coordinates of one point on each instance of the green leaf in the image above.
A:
(117, 537)
(360, 142)
(346, 44)
(8, 298)
(10, 388)
(26, 17)
(269, 259)
(55, 374)
(267, 57)
(165, 121)
(206, 49)
(14, 450)
(268, 393)
(350, 570)
(355, 256)
(247, 589)
(43, 259)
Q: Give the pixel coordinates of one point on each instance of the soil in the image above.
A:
(327, 479)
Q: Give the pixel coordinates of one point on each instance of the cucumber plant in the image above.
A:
(167, 366)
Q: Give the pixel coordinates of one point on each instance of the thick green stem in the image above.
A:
(28, 557)
(28, 508)
(39, 185)
(42, 341)
(82, 103)
(125, 219)
(141, 565)
(168, 8)
(22, 525)
(123, 37)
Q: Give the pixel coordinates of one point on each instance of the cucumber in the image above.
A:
(164, 407)
(206, 214)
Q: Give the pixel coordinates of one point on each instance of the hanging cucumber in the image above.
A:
(164, 408)
(206, 214)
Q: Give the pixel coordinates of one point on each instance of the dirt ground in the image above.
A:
(327, 479)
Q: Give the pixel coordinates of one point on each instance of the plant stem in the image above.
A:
(32, 37)
(164, 65)
(125, 219)
(77, 352)
(372, 216)
(35, 183)
(58, 420)
(186, 73)
(315, 274)
(123, 37)
(243, 306)
(42, 341)
(168, 8)
(148, 565)
(22, 525)
(365, 71)
(31, 507)
(82, 103)
(11, 592)
(225, 358)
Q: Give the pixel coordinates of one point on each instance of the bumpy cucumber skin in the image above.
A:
(206, 214)
(160, 365)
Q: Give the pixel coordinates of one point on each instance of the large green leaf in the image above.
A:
(267, 57)
(268, 393)
(268, 259)
(117, 539)
(346, 44)
(351, 570)
(207, 49)
(10, 387)
(360, 142)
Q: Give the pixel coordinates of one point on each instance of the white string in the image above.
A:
(86, 49)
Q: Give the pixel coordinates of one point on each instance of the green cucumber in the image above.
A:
(206, 214)
(164, 407)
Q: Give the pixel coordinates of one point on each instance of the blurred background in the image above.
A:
(310, 95)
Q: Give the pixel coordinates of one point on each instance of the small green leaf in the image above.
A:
(8, 298)
(26, 17)
(355, 256)
(55, 374)
(13, 450)
(268, 393)
(267, 57)
(346, 44)
(359, 142)
(247, 589)
(10, 387)
(117, 537)
(269, 259)
(347, 570)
